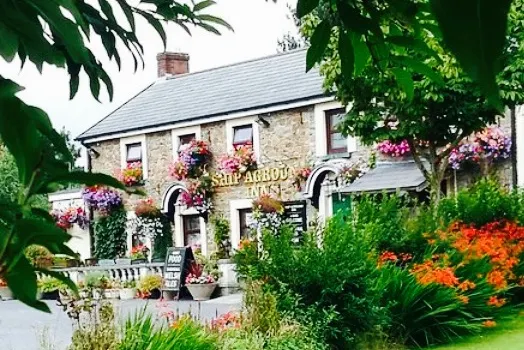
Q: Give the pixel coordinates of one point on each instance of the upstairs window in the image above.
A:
(134, 152)
(184, 140)
(242, 135)
(336, 142)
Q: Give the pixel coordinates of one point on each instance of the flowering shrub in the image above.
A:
(65, 218)
(351, 173)
(102, 199)
(198, 194)
(131, 175)
(191, 159)
(196, 275)
(226, 321)
(393, 149)
(301, 175)
(465, 153)
(241, 160)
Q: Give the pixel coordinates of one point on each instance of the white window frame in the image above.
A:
(230, 126)
(321, 147)
(176, 133)
(234, 212)
(123, 152)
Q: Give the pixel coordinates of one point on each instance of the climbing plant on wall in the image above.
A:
(111, 235)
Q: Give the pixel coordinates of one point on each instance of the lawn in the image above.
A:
(508, 335)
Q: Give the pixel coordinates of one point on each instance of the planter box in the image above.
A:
(5, 293)
(127, 293)
(138, 261)
(201, 292)
(112, 293)
(123, 261)
(91, 262)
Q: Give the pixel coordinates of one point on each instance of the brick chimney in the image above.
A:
(172, 63)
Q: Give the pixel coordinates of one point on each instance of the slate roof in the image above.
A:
(389, 177)
(258, 83)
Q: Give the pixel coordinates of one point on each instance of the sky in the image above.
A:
(258, 24)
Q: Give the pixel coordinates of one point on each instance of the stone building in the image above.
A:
(270, 102)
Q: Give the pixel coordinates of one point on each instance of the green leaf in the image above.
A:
(18, 131)
(405, 81)
(419, 67)
(412, 43)
(88, 179)
(8, 43)
(319, 43)
(214, 19)
(347, 54)
(306, 6)
(21, 279)
(44, 233)
(202, 5)
(354, 22)
(128, 13)
(361, 52)
(155, 23)
(475, 31)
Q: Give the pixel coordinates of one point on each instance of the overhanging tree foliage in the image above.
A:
(473, 30)
(433, 109)
(57, 32)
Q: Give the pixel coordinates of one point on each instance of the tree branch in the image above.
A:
(417, 159)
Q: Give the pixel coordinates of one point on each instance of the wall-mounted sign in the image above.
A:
(176, 265)
(260, 181)
(295, 214)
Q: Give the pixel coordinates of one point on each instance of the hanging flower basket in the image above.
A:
(101, 199)
(198, 194)
(301, 176)
(192, 160)
(66, 218)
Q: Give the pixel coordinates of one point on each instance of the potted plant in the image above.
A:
(200, 284)
(128, 290)
(39, 256)
(48, 287)
(96, 281)
(5, 292)
(149, 287)
(91, 261)
(139, 254)
(112, 289)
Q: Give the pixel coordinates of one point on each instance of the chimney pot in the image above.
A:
(172, 63)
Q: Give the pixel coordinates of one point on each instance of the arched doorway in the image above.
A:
(189, 226)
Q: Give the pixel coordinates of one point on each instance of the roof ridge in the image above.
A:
(278, 54)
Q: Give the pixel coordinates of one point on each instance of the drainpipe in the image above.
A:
(514, 172)
(91, 214)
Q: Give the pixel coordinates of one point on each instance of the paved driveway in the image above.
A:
(22, 328)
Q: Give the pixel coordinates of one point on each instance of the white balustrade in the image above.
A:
(118, 272)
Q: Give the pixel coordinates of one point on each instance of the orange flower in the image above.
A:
(497, 302)
(489, 324)
(464, 299)
(466, 285)
(497, 279)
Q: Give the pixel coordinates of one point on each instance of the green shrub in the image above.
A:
(221, 236)
(328, 287)
(141, 333)
(484, 202)
(96, 279)
(96, 331)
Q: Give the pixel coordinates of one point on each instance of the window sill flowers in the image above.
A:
(66, 218)
(191, 161)
(101, 199)
(392, 149)
(131, 175)
(240, 160)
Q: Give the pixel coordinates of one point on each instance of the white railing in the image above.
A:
(122, 273)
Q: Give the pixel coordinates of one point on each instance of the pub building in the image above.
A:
(270, 104)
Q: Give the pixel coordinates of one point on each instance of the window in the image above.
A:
(134, 152)
(336, 142)
(242, 135)
(192, 234)
(185, 140)
(246, 222)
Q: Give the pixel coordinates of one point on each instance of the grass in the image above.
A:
(507, 335)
